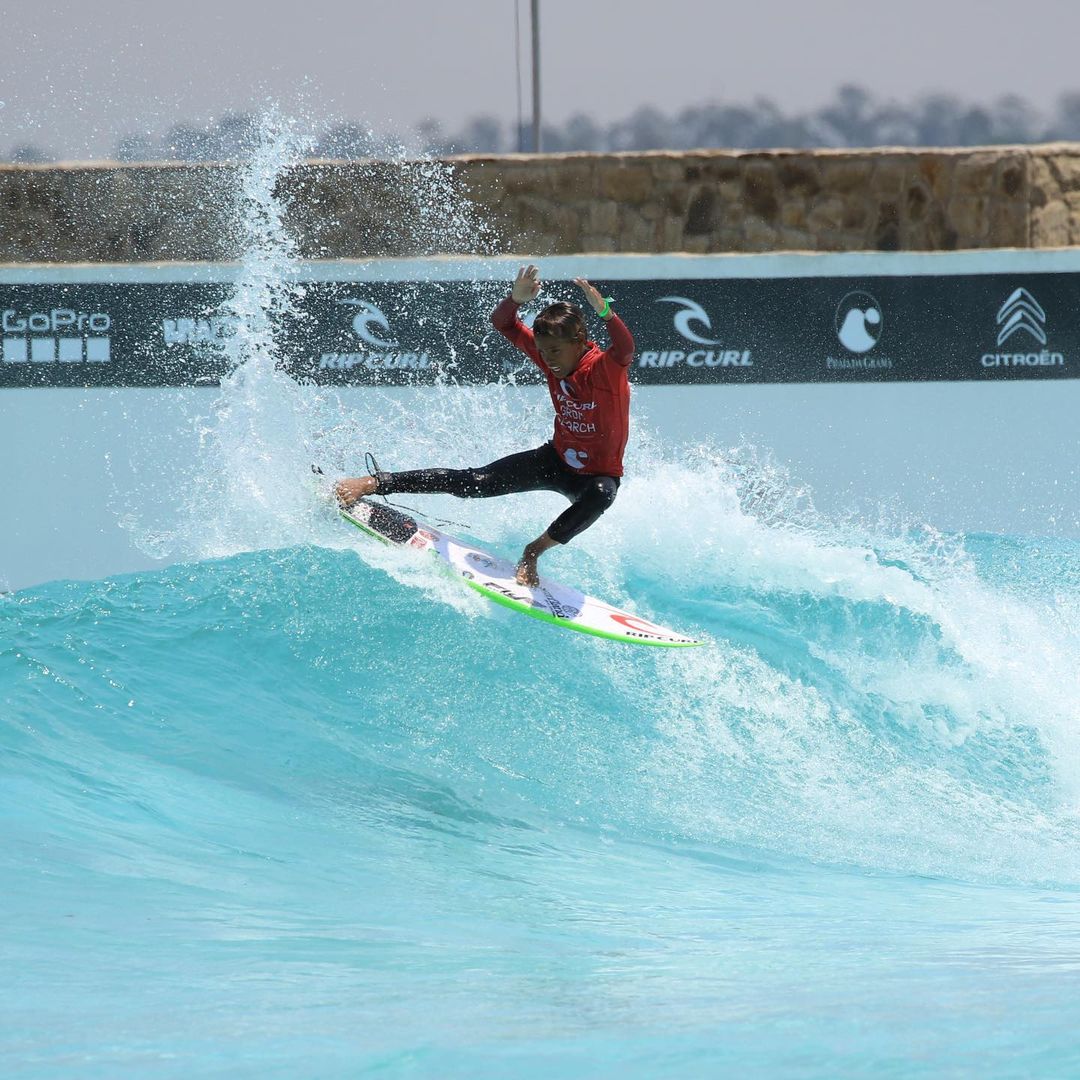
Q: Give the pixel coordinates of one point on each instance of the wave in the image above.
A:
(901, 702)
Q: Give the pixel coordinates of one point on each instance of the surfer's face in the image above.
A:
(560, 354)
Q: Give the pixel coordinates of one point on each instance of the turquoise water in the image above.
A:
(315, 811)
(298, 806)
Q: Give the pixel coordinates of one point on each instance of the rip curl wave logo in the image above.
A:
(367, 316)
(576, 459)
(1021, 312)
(858, 322)
(567, 389)
(692, 312)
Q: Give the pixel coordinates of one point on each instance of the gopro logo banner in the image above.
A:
(61, 335)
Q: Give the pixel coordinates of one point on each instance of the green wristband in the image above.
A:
(605, 311)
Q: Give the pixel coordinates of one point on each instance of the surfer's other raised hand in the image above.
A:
(592, 294)
(526, 284)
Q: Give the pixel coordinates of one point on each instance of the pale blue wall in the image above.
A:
(983, 457)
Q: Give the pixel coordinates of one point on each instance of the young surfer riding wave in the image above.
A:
(591, 395)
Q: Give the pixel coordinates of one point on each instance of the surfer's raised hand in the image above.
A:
(598, 303)
(526, 284)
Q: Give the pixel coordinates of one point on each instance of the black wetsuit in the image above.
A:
(531, 470)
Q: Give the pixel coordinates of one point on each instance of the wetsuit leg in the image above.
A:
(530, 470)
(591, 495)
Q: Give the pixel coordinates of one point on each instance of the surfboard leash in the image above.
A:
(373, 469)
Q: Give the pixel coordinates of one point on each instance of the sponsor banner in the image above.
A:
(949, 326)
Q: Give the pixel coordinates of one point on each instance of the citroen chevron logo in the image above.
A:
(692, 312)
(1021, 312)
(367, 315)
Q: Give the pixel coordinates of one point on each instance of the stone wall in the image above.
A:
(708, 201)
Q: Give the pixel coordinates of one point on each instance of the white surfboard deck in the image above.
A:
(494, 578)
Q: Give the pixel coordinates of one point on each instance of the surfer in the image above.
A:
(591, 395)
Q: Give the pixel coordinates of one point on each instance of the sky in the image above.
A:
(78, 76)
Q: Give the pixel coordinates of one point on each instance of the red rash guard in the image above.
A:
(592, 406)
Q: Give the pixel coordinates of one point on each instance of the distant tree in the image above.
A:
(182, 143)
(552, 140)
(137, 148)
(582, 133)
(1014, 120)
(1065, 123)
(853, 118)
(716, 126)
(773, 128)
(977, 128)
(645, 129)
(937, 121)
(850, 119)
(27, 154)
(236, 137)
(523, 137)
(894, 125)
(347, 142)
(481, 135)
(430, 133)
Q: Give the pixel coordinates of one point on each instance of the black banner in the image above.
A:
(693, 330)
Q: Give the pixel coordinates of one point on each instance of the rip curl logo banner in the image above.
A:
(411, 324)
(367, 318)
(689, 315)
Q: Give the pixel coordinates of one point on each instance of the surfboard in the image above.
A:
(494, 578)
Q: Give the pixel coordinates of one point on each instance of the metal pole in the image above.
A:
(536, 74)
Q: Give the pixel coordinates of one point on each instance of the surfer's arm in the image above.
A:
(505, 319)
(525, 287)
(621, 350)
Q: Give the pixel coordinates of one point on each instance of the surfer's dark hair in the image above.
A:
(561, 320)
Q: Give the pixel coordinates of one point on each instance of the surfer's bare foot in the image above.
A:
(349, 490)
(526, 569)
